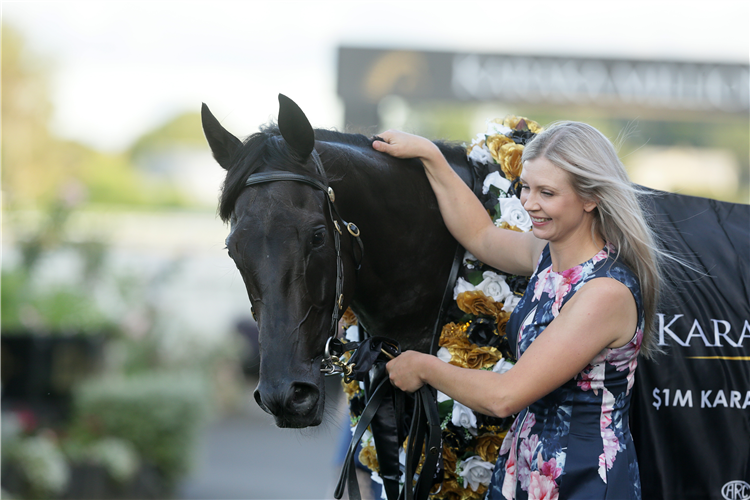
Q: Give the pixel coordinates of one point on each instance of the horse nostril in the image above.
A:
(256, 395)
(302, 398)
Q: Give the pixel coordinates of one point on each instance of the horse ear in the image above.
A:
(223, 144)
(295, 127)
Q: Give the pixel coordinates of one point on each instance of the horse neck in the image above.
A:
(408, 250)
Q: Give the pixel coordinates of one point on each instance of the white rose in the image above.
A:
(444, 354)
(462, 286)
(475, 472)
(481, 154)
(468, 259)
(497, 180)
(494, 128)
(462, 416)
(494, 286)
(511, 302)
(502, 366)
(514, 214)
(366, 437)
(377, 479)
(442, 397)
(352, 334)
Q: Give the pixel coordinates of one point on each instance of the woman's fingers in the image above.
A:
(403, 371)
(401, 144)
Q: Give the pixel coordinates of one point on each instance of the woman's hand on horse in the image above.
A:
(404, 370)
(403, 145)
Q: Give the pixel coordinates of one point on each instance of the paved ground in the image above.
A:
(245, 456)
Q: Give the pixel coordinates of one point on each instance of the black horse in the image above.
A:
(283, 242)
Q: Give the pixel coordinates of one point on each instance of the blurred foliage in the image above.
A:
(42, 464)
(158, 412)
(35, 163)
(118, 456)
(58, 310)
(43, 308)
(183, 130)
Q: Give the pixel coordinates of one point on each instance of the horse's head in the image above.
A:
(282, 241)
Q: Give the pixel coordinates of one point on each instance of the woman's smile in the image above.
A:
(539, 221)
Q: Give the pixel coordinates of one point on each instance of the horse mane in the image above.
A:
(267, 147)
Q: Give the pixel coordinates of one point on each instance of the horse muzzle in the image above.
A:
(294, 405)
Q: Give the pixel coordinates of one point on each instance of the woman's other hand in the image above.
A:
(403, 145)
(404, 370)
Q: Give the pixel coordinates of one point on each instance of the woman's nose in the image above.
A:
(528, 202)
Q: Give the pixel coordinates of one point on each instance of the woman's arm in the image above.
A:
(464, 215)
(601, 314)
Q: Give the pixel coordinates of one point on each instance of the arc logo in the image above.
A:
(736, 490)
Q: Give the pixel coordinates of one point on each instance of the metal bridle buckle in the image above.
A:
(353, 229)
(332, 364)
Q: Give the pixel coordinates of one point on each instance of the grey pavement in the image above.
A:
(245, 456)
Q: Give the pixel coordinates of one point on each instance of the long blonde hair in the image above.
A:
(596, 173)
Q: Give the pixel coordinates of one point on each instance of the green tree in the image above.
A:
(36, 165)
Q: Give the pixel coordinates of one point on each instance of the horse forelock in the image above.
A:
(262, 151)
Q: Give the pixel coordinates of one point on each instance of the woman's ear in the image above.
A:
(589, 206)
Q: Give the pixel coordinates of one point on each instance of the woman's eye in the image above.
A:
(524, 187)
(546, 193)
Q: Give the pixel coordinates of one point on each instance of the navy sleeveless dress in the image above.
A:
(575, 442)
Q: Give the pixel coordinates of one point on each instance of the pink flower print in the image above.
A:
(611, 447)
(592, 377)
(564, 283)
(542, 487)
(548, 468)
(526, 452)
(541, 281)
(626, 357)
(585, 378)
(509, 482)
(508, 441)
(528, 423)
(603, 253)
(610, 443)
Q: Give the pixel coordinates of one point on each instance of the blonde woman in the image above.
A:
(587, 313)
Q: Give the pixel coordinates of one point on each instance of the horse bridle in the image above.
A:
(425, 414)
(266, 177)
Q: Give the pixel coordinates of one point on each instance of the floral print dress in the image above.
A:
(574, 442)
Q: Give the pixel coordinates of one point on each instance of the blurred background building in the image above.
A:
(128, 350)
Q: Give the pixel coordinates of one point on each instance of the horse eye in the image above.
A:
(319, 237)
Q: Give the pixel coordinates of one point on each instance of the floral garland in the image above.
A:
(475, 335)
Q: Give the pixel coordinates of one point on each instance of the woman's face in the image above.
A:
(557, 213)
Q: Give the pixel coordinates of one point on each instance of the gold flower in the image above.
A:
(488, 447)
(505, 225)
(510, 160)
(351, 389)
(533, 126)
(348, 319)
(495, 142)
(451, 490)
(449, 459)
(369, 458)
(454, 335)
(513, 122)
(501, 319)
(477, 303)
(478, 357)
